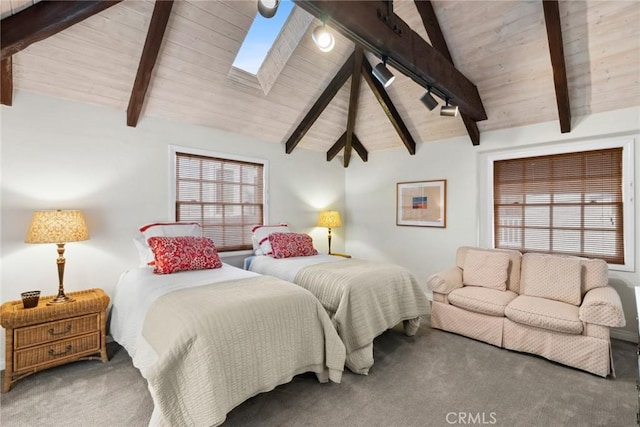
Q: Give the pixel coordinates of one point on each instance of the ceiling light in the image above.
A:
(428, 100)
(323, 38)
(268, 8)
(383, 74)
(449, 110)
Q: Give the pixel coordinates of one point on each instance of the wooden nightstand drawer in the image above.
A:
(60, 350)
(41, 334)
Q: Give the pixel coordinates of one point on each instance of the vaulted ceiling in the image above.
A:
(503, 48)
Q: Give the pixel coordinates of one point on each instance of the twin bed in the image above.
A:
(208, 339)
(363, 299)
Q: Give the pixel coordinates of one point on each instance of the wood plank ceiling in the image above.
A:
(517, 54)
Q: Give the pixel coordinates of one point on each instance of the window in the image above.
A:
(261, 38)
(565, 203)
(226, 196)
(267, 47)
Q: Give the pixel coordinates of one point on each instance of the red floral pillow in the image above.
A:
(183, 253)
(285, 245)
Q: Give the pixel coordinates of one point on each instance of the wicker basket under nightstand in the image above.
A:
(50, 335)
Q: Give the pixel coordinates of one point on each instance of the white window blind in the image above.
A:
(224, 196)
(566, 203)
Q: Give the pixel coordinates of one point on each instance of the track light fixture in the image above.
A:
(268, 8)
(383, 74)
(323, 38)
(449, 110)
(428, 100)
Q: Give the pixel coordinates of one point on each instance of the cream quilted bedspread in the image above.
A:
(364, 299)
(220, 344)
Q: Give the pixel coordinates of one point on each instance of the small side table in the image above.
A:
(50, 335)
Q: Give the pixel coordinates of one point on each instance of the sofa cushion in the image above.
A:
(515, 257)
(552, 277)
(481, 300)
(486, 269)
(545, 313)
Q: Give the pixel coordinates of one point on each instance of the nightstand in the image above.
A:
(50, 335)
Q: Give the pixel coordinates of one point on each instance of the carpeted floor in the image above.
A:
(433, 379)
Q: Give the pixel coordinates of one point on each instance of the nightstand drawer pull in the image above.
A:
(66, 331)
(62, 353)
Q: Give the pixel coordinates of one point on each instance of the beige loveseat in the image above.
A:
(558, 307)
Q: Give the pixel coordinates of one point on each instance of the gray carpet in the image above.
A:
(433, 379)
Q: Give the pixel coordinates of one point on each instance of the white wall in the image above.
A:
(371, 197)
(62, 154)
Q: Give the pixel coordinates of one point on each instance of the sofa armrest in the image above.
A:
(445, 281)
(602, 306)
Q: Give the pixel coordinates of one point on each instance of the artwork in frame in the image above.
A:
(422, 203)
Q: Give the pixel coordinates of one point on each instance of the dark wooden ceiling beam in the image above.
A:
(354, 98)
(43, 20)
(336, 147)
(321, 103)
(339, 145)
(431, 24)
(369, 24)
(556, 50)
(362, 152)
(389, 109)
(6, 81)
(157, 27)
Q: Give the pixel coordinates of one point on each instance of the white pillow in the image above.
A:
(144, 251)
(171, 229)
(260, 237)
(162, 229)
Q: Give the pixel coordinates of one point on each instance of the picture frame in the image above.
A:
(422, 203)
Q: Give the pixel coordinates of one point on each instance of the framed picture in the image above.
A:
(422, 204)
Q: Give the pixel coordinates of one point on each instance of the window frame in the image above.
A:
(628, 186)
(174, 149)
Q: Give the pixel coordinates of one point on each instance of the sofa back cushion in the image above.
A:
(486, 269)
(553, 277)
(513, 271)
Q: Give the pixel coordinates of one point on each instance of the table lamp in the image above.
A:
(329, 219)
(59, 227)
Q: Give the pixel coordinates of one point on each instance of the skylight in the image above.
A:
(260, 38)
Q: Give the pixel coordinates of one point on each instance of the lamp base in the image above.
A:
(60, 299)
